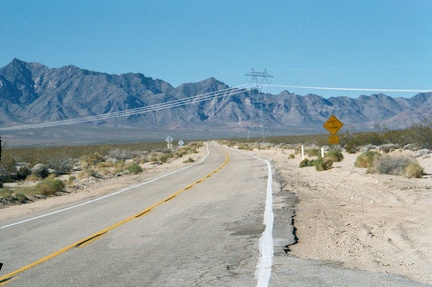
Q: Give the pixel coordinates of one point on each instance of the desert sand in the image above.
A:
(344, 215)
(358, 220)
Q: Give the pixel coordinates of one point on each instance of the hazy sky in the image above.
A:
(328, 43)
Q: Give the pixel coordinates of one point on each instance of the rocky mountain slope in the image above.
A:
(33, 93)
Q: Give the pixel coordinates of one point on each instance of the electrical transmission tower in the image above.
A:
(259, 80)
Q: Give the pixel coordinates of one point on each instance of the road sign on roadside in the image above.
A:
(180, 143)
(169, 139)
(334, 139)
(333, 125)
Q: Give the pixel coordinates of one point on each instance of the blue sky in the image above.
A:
(333, 43)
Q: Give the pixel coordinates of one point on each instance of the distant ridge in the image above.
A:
(33, 93)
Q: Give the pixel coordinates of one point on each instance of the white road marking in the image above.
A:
(105, 196)
(264, 265)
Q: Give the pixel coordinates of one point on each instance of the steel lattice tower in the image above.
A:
(259, 80)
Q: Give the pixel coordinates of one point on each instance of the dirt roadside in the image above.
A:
(358, 220)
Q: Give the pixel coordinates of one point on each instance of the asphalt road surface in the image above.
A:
(200, 226)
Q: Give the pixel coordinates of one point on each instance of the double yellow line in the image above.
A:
(8, 277)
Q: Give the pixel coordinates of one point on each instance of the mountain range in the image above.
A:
(32, 93)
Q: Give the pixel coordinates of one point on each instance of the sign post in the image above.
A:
(169, 142)
(333, 125)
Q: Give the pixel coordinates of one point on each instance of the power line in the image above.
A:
(141, 110)
(352, 89)
(259, 80)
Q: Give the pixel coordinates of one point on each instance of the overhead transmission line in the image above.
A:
(141, 110)
(351, 89)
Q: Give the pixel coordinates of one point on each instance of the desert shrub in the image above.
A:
(366, 159)
(335, 155)
(93, 158)
(134, 168)
(189, 160)
(33, 177)
(323, 163)
(163, 158)
(292, 155)
(120, 153)
(395, 165)
(49, 187)
(413, 169)
(62, 165)
(245, 147)
(350, 148)
(306, 162)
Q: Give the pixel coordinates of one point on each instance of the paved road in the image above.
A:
(208, 235)
(205, 236)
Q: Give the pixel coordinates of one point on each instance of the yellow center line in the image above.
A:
(83, 242)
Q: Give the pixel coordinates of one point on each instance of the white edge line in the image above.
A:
(265, 261)
(108, 195)
(263, 268)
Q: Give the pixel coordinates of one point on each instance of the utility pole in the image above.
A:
(259, 80)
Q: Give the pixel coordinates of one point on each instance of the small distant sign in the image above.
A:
(180, 143)
(169, 139)
(334, 139)
(333, 125)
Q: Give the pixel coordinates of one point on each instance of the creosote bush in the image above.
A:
(323, 163)
(134, 168)
(397, 165)
(366, 159)
(335, 155)
(49, 187)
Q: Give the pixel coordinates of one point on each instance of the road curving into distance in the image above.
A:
(200, 226)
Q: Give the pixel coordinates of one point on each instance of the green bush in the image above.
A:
(134, 168)
(49, 187)
(366, 159)
(323, 163)
(188, 160)
(335, 155)
(93, 158)
(305, 163)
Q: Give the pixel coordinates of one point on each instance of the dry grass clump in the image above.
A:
(397, 165)
(366, 159)
(414, 170)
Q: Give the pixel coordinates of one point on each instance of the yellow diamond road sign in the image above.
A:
(333, 124)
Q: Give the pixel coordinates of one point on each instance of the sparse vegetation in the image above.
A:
(335, 154)
(102, 161)
(366, 159)
(323, 163)
(397, 165)
(134, 168)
